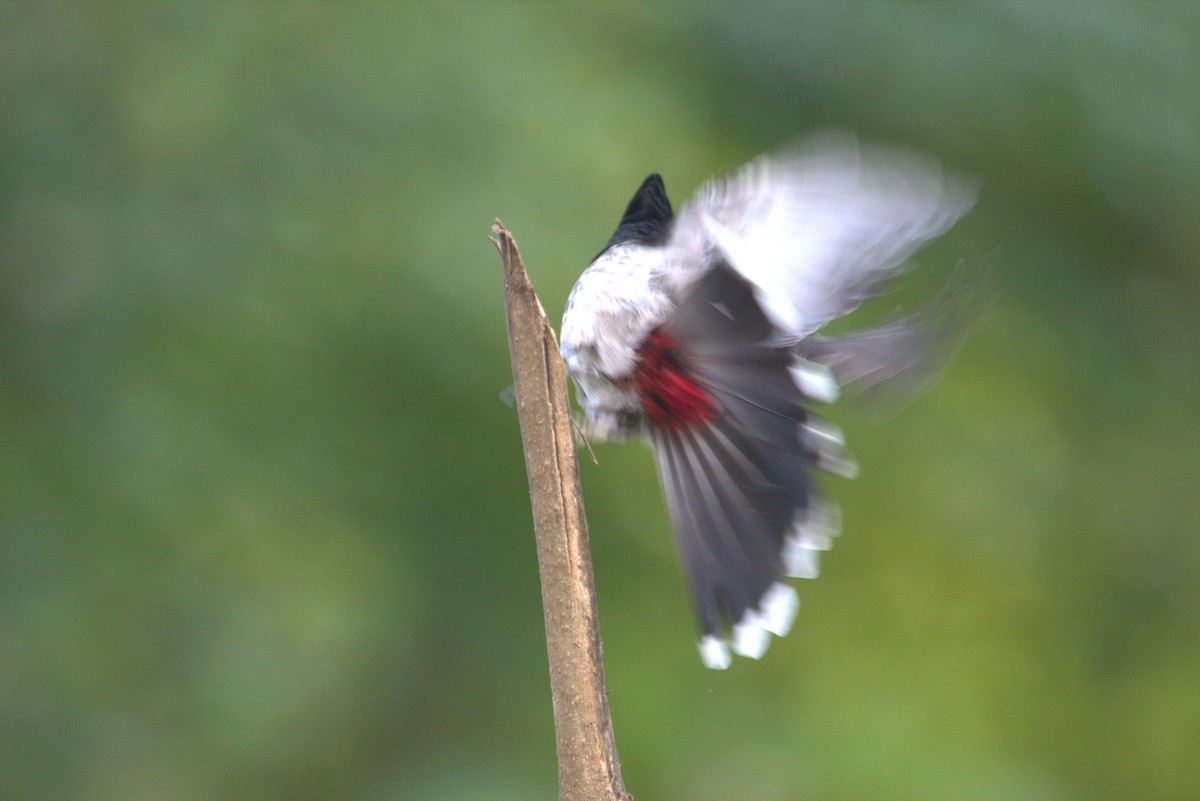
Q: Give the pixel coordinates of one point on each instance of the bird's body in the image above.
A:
(699, 332)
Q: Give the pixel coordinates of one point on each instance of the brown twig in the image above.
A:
(587, 755)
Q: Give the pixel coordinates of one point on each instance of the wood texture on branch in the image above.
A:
(587, 756)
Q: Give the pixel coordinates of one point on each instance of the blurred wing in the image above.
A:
(893, 360)
(815, 227)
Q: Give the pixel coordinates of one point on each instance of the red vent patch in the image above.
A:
(671, 398)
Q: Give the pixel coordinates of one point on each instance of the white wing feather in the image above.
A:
(816, 226)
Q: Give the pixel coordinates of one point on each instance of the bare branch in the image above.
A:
(587, 755)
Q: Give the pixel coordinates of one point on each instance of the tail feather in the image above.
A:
(736, 469)
(725, 545)
(737, 484)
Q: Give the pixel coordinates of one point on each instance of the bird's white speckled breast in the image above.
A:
(613, 306)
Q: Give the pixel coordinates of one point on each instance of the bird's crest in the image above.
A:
(647, 217)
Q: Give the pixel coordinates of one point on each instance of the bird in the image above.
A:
(701, 333)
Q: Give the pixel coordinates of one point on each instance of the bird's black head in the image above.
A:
(647, 217)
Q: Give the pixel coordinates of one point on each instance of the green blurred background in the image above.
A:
(264, 526)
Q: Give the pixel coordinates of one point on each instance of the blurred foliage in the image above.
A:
(264, 529)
